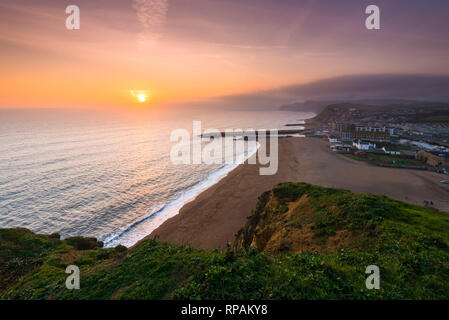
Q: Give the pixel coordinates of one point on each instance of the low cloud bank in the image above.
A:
(345, 88)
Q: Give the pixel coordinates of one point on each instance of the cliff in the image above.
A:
(301, 242)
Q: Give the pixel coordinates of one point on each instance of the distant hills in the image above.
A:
(370, 89)
(318, 106)
(401, 111)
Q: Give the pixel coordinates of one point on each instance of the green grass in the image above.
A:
(409, 243)
(377, 159)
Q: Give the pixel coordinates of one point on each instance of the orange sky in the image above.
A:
(195, 51)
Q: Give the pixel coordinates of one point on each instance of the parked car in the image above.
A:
(445, 181)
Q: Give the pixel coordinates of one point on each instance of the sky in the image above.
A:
(193, 50)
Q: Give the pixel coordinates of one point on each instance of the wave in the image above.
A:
(154, 217)
(114, 236)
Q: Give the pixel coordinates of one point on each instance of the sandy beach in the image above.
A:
(214, 217)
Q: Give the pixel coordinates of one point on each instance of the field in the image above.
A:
(378, 159)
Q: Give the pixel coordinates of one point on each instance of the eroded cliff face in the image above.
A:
(296, 217)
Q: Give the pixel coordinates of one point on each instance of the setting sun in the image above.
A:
(142, 97)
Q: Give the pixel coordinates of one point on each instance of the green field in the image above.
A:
(378, 159)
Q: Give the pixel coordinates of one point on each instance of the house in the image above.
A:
(363, 144)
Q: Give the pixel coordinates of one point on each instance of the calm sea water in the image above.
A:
(102, 174)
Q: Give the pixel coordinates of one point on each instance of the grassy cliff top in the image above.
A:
(301, 242)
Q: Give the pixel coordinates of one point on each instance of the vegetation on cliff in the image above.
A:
(301, 242)
(410, 111)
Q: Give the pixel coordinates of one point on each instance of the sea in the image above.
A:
(108, 174)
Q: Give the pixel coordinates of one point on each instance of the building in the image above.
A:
(340, 148)
(388, 130)
(339, 127)
(350, 135)
(351, 132)
(363, 145)
(347, 135)
(389, 148)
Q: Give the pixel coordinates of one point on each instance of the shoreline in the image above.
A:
(213, 218)
(132, 234)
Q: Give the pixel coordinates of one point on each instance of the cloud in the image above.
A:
(151, 15)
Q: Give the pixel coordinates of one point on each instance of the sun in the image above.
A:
(142, 97)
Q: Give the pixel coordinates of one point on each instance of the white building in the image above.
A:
(363, 145)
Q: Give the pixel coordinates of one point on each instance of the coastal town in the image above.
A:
(405, 136)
